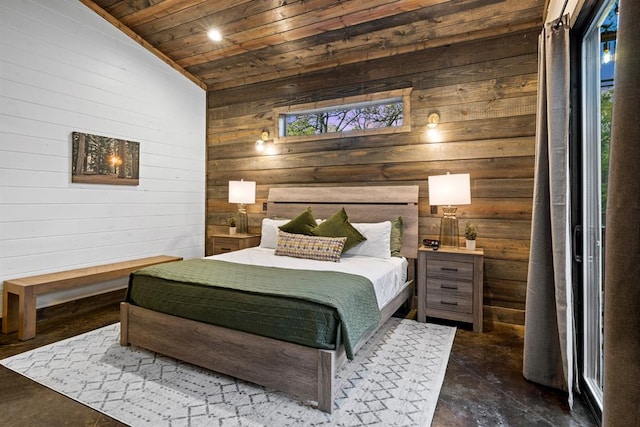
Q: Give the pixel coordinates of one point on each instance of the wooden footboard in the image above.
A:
(305, 372)
(261, 360)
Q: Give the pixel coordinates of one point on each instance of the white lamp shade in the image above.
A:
(242, 192)
(450, 189)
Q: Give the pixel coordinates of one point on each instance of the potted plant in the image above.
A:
(232, 225)
(470, 234)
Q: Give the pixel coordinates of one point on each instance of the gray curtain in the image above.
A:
(622, 253)
(549, 328)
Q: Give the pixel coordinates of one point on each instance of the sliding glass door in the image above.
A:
(598, 62)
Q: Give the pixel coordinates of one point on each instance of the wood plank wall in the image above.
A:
(485, 92)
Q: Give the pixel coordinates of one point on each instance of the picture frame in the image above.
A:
(104, 160)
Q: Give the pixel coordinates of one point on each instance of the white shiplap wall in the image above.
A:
(65, 69)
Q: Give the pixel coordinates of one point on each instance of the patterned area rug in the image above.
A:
(394, 380)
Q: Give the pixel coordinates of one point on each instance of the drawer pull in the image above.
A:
(448, 269)
(453, 287)
(448, 302)
(225, 249)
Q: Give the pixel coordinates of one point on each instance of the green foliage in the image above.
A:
(302, 126)
(346, 119)
(470, 231)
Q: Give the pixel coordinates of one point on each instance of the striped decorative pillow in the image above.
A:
(310, 247)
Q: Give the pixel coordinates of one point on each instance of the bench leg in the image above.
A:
(19, 311)
(10, 303)
(26, 313)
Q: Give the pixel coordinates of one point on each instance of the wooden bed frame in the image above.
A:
(305, 372)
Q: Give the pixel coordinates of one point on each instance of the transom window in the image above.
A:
(383, 112)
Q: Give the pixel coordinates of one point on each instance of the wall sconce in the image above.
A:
(449, 190)
(433, 120)
(262, 142)
(263, 145)
(242, 192)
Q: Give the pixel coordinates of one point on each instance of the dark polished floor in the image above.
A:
(483, 385)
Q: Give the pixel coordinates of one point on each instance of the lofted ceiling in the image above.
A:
(276, 39)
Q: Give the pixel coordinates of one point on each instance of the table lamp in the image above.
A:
(243, 193)
(446, 191)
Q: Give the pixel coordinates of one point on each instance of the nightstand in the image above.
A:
(222, 243)
(450, 285)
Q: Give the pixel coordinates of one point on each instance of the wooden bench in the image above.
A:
(19, 295)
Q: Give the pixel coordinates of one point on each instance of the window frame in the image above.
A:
(403, 94)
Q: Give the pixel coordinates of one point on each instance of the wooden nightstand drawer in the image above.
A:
(223, 243)
(449, 295)
(441, 302)
(451, 269)
(450, 287)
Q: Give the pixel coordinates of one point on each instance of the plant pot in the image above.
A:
(471, 244)
(232, 230)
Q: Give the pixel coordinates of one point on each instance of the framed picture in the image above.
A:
(103, 160)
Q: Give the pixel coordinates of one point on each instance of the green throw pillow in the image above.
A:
(302, 224)
(397, 236)
(338, 225)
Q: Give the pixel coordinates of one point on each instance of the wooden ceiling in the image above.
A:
(276, 39)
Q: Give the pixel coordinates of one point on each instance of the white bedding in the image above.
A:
(387, 274)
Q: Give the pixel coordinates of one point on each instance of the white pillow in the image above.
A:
(269, 234)
(378, 243)
(269, 237)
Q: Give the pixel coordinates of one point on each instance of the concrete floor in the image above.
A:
(483, 385)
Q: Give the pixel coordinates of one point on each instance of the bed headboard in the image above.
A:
(363, 204)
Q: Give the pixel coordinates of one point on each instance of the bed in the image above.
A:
(303, 369)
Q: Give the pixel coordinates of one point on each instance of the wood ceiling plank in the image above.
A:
(203, 15)
(361, 43)
(363, 47)
(431, 13)
(107, 4)
(276, 39)
(159, 10)
(255, 72)
(123, 8)
(269, 17)
(260, 31)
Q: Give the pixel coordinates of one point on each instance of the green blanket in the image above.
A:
(352, 296)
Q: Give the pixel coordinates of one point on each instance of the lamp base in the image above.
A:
(242, 222)
(449, 227)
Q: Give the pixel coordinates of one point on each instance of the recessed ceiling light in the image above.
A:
(215, 35)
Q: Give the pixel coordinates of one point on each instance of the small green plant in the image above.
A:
(470, 231)
(231, 221)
